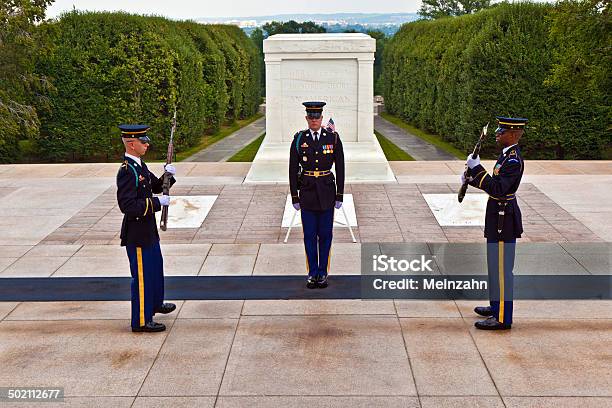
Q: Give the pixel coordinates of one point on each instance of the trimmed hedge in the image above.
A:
(111, 68)
(452, 75)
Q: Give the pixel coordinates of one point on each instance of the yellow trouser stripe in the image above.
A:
(147, 207)
(328, 258)
(140, 285)
(307, 267)
(500, 255)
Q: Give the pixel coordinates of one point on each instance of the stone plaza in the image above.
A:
(62, 221)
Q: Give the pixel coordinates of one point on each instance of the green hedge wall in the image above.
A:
(452, 75)
(111, 68)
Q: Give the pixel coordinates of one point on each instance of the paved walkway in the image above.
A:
(230, 145)
(314, 353)
(414, 146)
(61, 221)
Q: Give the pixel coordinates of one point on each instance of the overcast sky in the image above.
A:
(185, 9)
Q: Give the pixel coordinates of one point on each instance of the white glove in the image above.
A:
(164, 200)
(471, 163)
(170, 169)
(463, 178)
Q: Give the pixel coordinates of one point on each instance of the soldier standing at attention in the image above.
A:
(503, 223)
(135, 188)
(315, 150)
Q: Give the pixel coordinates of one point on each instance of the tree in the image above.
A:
(381, 41)
(292, 27)
(433, 9)
(18, 47)
(257, 36)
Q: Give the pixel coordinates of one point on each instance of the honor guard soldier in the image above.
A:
(135, 188)
(314, 189)
(503, 223)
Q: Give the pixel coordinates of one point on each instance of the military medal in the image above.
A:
(304, 144)
(304, 158)
(496, 169)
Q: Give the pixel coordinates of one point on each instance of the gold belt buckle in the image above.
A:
(316, 173)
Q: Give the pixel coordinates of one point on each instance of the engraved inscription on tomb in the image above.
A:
(332, 81)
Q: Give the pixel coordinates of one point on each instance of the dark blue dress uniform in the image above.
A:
(503, 221)
(135, 188)
(318, 189)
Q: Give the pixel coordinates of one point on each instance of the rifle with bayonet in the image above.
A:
(475, 154)
(163, 223)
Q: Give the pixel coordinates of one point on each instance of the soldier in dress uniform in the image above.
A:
(503, 223)
(314, 189)
(135, 188)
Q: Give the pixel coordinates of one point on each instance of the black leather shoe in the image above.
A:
(166, 308)
(492, 324)
(322, 282)
(311, 283)
(483, 311)
(150, 327)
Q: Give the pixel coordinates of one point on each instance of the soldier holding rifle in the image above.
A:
(135, 188)
(503, 223)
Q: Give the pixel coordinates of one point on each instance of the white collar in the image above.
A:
(508, 148)
(136, 159)
(318, 132)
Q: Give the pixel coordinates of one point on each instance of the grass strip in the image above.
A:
(392, 152)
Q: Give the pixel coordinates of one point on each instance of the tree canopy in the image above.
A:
(19, 86)
(292, 27)
(433, 9)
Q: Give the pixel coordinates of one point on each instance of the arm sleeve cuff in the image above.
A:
(156, 204)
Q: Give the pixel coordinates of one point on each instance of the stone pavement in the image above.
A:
(230, 145)
(414, 146)
(311, 353)
(62, 221)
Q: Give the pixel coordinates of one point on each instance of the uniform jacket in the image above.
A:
(502, 185)
(135, 188)
(316, 193)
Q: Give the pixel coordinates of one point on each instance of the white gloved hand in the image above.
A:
(463, 178)
(170, 169)
(471, 163)
(164, 200)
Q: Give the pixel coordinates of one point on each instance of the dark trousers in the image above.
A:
(318, 227)
(147, 268)
(500, 263)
